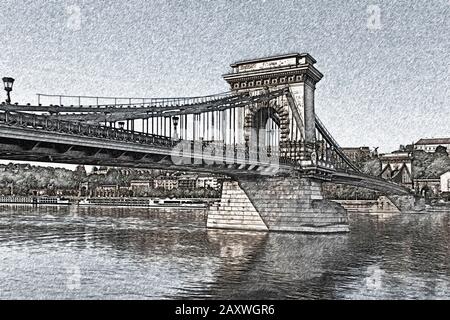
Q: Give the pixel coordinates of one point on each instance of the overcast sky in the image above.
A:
(386, 63)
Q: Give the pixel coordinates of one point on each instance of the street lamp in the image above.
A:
(106, 118)
(175, 125)
(8, 82)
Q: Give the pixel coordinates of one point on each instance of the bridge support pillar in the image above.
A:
(277, 204)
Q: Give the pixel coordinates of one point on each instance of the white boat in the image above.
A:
(144, 202)
(51, 200)
(34, 200)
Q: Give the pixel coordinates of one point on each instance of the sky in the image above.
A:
(385, 63)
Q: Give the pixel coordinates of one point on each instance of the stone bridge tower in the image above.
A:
(296, 119)
(287, 201)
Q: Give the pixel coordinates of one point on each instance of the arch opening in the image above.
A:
(266, 126)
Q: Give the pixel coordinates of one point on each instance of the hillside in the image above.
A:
(430, 165)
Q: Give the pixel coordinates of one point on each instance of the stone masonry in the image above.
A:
(235, 211)
(277, 204)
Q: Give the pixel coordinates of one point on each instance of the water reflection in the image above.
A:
(148, 253)
(291, 261)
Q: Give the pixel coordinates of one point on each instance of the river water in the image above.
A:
(129, 253)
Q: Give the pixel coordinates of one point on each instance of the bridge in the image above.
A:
(264, 134)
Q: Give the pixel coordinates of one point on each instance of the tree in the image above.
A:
(371, 166)
(80, 172)
(430, 165)
(441, 151)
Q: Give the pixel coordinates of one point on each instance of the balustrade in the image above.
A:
(42, 122)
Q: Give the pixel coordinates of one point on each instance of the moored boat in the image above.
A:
(145, 202)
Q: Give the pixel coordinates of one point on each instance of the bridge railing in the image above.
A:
(46, 123)
(228, 154)
(337, 156)
(99, 101)
(239, 153)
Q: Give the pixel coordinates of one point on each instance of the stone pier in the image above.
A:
(277, 204)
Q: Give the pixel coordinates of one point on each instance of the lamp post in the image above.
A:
(8, 83)
(175, 125)
(106, 118)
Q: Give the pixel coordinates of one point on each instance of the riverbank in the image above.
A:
(384, 205)
(381, 205)
(111, 202)
(34, 200)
